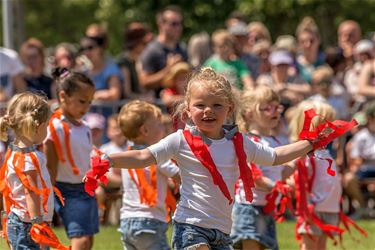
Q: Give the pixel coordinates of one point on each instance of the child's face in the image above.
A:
(153, 130)
(41, 133)
(322, 87)
(223, 49)
(268, 115)
(208, 111)
(114, 133)
(77, 105)
(97, 135)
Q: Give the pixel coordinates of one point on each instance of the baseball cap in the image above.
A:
(280, 57)
(286, 42)
(364, 46)
(238, 29)
(95, 120)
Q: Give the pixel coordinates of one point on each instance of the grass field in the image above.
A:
(109, 238)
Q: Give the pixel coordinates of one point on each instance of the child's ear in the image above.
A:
(143, 130)
(62, 96)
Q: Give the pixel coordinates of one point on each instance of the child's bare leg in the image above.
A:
(322, 242)
(82, 243)
(251, 244)
(309, 242)
(202, 247)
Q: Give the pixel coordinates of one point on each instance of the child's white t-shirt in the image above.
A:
(326, 189)
(272, 172)
(363, 146)
(131, 203)
(202, 203)
(80, 147)
(18, 189)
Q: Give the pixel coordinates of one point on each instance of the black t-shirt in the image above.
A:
(124, 61)
(40, 84)
(154, 57)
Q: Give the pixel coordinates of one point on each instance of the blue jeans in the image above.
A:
(250, 223)
(144, 234)
(187, 236)
(19, 234)
(80, 214)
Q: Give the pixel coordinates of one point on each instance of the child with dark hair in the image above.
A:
(68, 148)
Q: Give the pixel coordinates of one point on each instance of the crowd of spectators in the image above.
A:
(154, 67)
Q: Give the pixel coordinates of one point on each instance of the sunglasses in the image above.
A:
(173, 23)
(272, 109)
(88, 47)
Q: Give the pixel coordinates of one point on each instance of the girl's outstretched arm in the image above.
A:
(133, 159)
(291, 151)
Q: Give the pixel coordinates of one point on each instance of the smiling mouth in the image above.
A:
(207, 119)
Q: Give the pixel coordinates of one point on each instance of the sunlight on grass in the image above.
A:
(109, 238)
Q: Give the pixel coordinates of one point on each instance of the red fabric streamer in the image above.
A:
(43, 235)
(99, 167)
(318, 136)
(202, 153)
(280, 188)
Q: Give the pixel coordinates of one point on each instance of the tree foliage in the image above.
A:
(54, 21)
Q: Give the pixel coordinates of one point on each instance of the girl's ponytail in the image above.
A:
(4, 126)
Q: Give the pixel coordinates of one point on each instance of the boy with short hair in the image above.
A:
(144, 211)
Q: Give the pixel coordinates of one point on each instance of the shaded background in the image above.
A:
(55, 21)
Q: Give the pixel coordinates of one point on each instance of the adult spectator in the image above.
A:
(199, 49)
(136, 38)
(257, 32)
(104, 71)
(361, 151)
(226, 62)
(11, 80)
(262, 50)
(309, 56)
(165, 50)
(366, 81)
(234, 18)
(363, 52)
(65, 56)
(290, 88)
(32, 56)
(348, 34)
(240, 33)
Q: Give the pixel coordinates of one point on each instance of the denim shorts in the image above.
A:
(80, 213)
(187, 236)
(250, 223)
(19, 233)
(144, 234)
(325, 217)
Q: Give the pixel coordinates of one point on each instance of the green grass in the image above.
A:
(109, 238)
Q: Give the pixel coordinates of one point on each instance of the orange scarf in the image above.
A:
(57, 143)
(18, 163)
(148, 192)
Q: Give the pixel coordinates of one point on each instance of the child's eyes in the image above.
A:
(199, 105)
(217, 105)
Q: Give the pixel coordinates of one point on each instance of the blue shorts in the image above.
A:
(187, 236)
(80, 213)
(19, 233)
(250, 223)
(144, 233)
